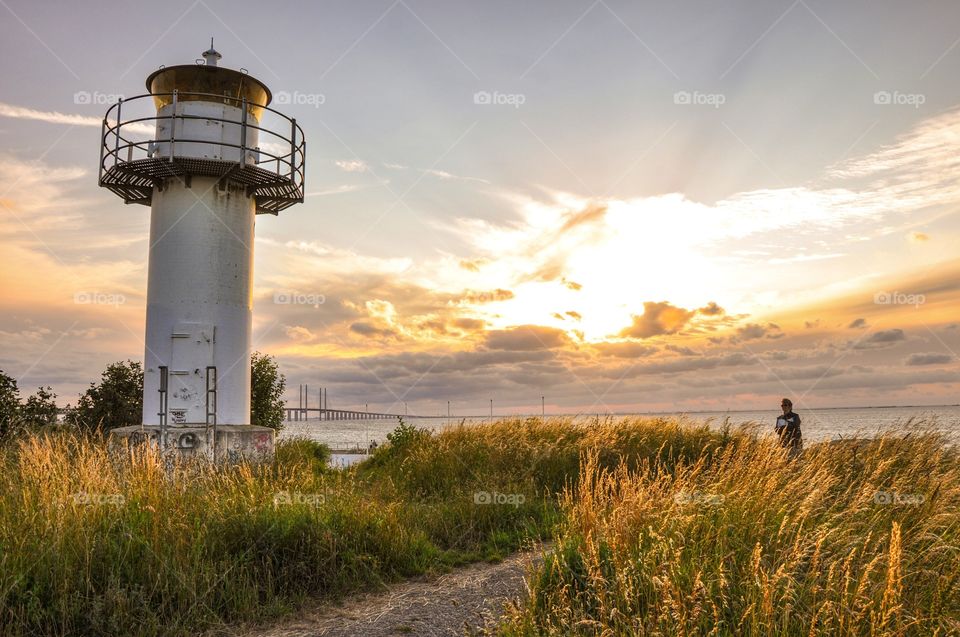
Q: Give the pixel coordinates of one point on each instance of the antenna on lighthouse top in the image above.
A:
(211, 56)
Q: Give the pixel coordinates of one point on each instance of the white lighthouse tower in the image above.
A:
(212, 163)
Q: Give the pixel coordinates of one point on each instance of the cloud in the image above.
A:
(857, 324)
(299, 333)
(488, 296)
(527, 338)
(365, 328)
(884, 338)
(435, 172)
(751, 332)
(600, 257)
(352, 165)
(657, 319)
(590, 215)
(927, 359)
(469, 324)
(711, 309)
(754, 331)
(336, 190)
(70, 119)
(918, 237)
(683, 365)
(625, 349)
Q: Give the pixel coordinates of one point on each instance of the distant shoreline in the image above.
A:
(674, 412)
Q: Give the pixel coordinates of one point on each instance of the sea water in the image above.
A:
(818, 424)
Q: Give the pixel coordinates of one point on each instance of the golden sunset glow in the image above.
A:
(664, 243)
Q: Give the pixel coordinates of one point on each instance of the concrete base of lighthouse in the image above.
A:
(234, 444)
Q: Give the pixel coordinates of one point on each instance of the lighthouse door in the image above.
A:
(192, 354)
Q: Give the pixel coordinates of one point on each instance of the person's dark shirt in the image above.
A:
(788, 428)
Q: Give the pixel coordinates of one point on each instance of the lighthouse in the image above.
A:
(204, 150)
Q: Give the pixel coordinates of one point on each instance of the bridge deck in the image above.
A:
(318, 413)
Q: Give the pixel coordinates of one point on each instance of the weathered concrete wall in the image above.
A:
(234, 443)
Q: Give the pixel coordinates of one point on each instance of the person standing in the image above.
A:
(788, 428)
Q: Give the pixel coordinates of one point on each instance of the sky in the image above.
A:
(617, 206)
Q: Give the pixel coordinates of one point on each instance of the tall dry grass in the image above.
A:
(857, 538)
(94, 542)
(664, 527)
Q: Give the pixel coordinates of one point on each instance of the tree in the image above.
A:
(266, 392)
(9, 404)
(115, 402)
(40, 408)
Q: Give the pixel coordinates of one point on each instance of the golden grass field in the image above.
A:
(662, 527)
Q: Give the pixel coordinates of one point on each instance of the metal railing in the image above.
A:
(119, 147)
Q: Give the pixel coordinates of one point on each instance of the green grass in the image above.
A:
(97, 542)
(662, 527)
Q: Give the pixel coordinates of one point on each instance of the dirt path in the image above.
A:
(466, 599)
